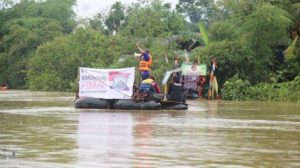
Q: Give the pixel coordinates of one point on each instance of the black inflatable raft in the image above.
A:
(127, 104)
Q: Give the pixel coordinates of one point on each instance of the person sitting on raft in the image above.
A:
(175, 92)
(148, 87)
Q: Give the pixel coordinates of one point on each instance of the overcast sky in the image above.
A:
(88, 8)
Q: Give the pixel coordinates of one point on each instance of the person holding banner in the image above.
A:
(145, 62)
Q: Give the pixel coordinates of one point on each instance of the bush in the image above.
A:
(237, 89)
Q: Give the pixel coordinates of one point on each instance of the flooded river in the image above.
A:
(40, 129)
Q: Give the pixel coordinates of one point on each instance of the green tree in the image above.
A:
(196, 10)
(62, 11)
(54, 65)
(232, 58)
(96, 23)
(19, 44)
(115, 17)
(151, 21)
(25, 26)
(265, 29)
(223, 30)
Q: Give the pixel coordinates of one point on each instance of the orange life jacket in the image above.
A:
(150, 59)
(146, 65)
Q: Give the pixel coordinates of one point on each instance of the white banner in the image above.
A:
(106, 83)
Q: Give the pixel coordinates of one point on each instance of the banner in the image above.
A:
(194, 69)
(168, 75)
(106, 83)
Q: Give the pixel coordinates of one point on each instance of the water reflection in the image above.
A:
(104, 138)
(38, 137)
(108, 139)
(46, 131)
(36, 129)
(143, 134)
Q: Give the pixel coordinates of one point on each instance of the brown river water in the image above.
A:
(43, 129)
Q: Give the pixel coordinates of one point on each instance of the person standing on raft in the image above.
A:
(145, 62)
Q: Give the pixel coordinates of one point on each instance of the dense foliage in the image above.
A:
(238, 89)
(256, 44)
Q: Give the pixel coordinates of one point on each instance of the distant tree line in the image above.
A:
(42, 43)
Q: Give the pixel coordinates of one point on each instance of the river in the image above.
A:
(43, 129)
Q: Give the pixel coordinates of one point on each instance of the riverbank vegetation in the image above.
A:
(42, 43)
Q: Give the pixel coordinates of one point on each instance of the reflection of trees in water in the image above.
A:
(143, 134)
(117, 138)
(104, 138)
(38, 137)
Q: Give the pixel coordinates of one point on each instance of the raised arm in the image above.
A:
(140, 49)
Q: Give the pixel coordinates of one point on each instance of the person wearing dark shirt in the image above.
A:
(175, 92)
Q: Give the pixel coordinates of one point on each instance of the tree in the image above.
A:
(25, 26)
(223, 30)
(19, 44)
(151, 21)
(232, 57)
(54, 65)
(96, 23)
(62, 11)
(265, 29)
(196, 10)
(115, 17)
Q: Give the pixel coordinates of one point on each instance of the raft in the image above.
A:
(90, 102)
(128, 104)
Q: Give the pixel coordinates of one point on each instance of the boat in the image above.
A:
(129, 104)
(113, 89)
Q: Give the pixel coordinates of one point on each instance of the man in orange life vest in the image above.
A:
(145, 63)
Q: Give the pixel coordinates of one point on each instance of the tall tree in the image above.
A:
(265, 29)
(54, 65)
(27, 25)
(115, 17)
(96, 23)
(152, 20)
(19, 44)
(61, 11)
(196, 10)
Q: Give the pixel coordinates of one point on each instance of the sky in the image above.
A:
(89, 8)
